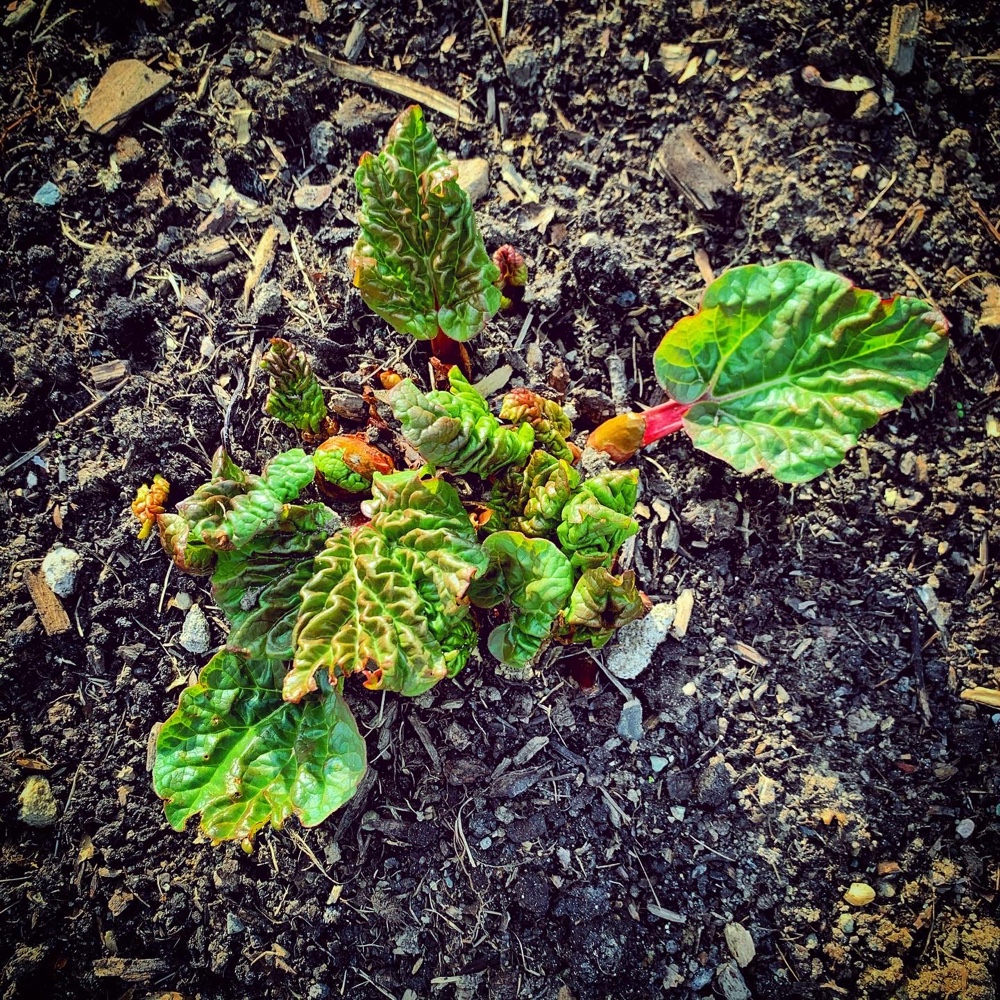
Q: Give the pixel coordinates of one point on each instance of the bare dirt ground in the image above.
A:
(804, 734)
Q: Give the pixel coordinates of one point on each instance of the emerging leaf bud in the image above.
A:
(149, 503)
(296, 398)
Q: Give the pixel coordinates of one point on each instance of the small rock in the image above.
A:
(195, 634)
(60, 568)
(867, 107)
(474, 178)
(38, 804)
(523, 67)
(630, 723)
(234, 925)
(637, 642)
(860, 894)
(658, 763)
(715, 785)
(965, 828)
(47, 195)
(740, 944)
(309, 197)
(321, 139)
(731, 982)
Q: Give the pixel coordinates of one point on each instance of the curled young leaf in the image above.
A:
(232, 508)
(347, 463)
(388, 598)
(295, 396)
(785, 366)
(148, 504)
(598, 519)
(536, 578)
(420, 262)
(456, 430)
(240, 755)
(601, 603)
(548, 419)
(531, 500)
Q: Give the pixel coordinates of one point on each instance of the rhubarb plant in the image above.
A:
(396, 598)
(783, 368)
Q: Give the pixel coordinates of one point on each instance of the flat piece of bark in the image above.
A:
(901, 46)
(691, 169)
(127, 84)
(50, 610)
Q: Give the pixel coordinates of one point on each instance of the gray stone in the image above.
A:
(196, 637)
(731, 982)
(630, 723)
(636, 642)
(715, 785)
(60, 568)
(523, 66)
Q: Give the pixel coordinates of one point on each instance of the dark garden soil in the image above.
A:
(804, 733)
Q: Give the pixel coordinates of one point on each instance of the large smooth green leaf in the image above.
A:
(598, 518)
(240, 755)
(388, 598)
(420, 262)
(456, 430)
(536, 578)
(258, 586)
(787, 365)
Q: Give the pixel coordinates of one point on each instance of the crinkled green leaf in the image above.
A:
(787, 365)
(456, 430)
(601, 603)
(536, 578)
(258, 586)
(295, 397)
(241, 756)
(420, 262)
(331, 466)
(548, 419)
(348, 462)
(389, 598)
(232, 508)
(598, 518)
(531, 500)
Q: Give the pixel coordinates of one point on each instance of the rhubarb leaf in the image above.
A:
(787, 365)
(548, 419)
(258, 586)
(348, 462)
(536, 578)
(420, 262)
(601, 603)
(295, 396)
(455, 430)
(232, 508)
(235, 752)
(598, 519)
(531, 499)
(391, 594)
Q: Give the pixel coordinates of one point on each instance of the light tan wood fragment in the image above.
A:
(982, 696)
(50, 610)
(107, 373)
(379, 78)
(682, 617)
(691, 169)
(125, 86)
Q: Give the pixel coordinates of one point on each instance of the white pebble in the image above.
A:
(61, 567)
(195, 634)
(637, 641)
(965, 828)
